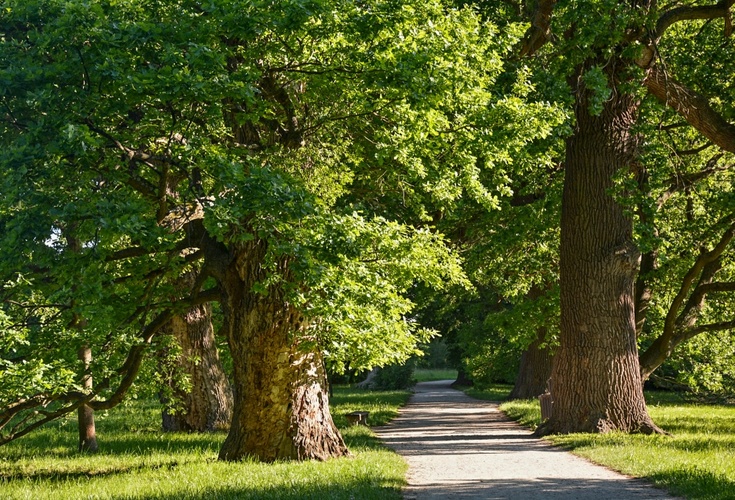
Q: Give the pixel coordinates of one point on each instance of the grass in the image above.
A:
(429, 374)
(493, 392)
(697, 461)
(139, 461)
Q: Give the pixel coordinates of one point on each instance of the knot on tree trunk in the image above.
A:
(626, 258)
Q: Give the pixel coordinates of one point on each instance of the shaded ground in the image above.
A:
(460, 447)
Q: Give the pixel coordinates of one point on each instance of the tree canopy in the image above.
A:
(314, 162)
(306, 145)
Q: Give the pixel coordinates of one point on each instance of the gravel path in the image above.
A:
(459, 447)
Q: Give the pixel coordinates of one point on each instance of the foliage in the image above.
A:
(140, 461)
(696, 461)
(704, 364)
(434, 354)
(141, 139)
(679, 194)
(682, 213)
(395, 377)
(510, 254)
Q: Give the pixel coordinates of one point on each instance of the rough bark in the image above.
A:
(85, 414)
(596, 377)
(535, 369)
(281, 396)
(207, 406)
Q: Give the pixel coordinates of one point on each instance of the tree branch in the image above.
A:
(678, 182)
(712, 327)
(723, 286)
(696, 270)
(677, 14)
(129, 370)
(540, 30)
(693, 107)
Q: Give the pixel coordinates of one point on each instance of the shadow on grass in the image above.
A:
(361, 438)
(693, 482)
(137, 450)
(58, 476)
(717, 425)
(147, 443)
(140, 443)
(351, 396)
(382, 405)
(361, 488)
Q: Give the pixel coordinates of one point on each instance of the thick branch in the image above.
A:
(724, 286)
(693, 107)
(696, 270)
(48, 417)
(681, 317)
(712, 327)
(540, 30)
(720, 9)
(689, 315)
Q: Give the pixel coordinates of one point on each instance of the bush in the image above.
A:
(395, 377)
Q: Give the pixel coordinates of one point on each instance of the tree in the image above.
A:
(596, 375)
(279, 149)
(85, 414)
(685, 214)
(196, 392)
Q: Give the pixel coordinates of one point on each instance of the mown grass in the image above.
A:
(696, 461)
(139, 461)
(429, 374)
(493, 392)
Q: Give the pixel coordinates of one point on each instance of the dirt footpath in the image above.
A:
(459, 447)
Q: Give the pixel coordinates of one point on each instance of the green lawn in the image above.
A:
(494, 392)
(429, 374)
(696, 461)
(139, 461)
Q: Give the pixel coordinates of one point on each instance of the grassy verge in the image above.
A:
(696, 461)
(139, 461)
(494, 392)
(427, 375)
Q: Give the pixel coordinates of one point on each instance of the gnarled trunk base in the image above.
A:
(281, 394)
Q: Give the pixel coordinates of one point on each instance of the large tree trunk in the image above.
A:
(596, 377)
(208, 405)
(281, 396)
(463, 380)
(535, 369)
(85, 414)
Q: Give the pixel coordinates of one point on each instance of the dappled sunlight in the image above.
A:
(138, 460)
(468, 447)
